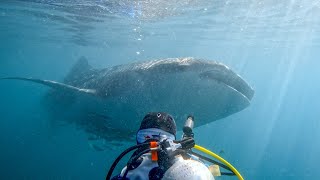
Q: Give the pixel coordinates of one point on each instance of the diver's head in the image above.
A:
(157, 126)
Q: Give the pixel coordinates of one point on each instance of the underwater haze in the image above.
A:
(274, 45)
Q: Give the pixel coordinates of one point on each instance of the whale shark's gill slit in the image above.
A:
(56, 85)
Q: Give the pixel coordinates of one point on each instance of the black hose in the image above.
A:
(134, 159)
(114, 164)
(227, 174)
(214, 162)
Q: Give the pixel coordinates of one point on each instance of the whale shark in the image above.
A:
(109, 103)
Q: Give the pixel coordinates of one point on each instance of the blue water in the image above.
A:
(274, 45)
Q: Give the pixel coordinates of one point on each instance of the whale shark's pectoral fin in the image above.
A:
(56, 85)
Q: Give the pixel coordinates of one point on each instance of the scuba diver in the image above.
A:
(158, 155)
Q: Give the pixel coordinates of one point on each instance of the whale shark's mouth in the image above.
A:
(116, 99)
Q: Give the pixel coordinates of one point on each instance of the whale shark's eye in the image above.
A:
(158, 115)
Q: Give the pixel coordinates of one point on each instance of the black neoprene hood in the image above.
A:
(160, 120)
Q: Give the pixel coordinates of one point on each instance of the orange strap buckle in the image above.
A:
(154, 153)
